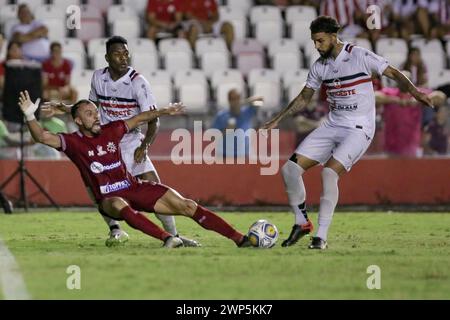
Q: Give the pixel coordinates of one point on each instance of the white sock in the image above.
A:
(295, 189)
(328, 201)
(111, 222)
(168, 223)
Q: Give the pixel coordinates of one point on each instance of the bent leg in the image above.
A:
(118, 208)
(168, 221)
(173, 203)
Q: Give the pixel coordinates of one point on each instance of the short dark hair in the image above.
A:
(114, 40)
(324, 24)
(77, 105)
(55, 44)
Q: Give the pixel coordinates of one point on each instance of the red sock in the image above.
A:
(138, 221)
(210, 221)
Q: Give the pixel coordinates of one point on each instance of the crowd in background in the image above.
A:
(404, 128)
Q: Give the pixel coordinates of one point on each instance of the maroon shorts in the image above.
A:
(142, 196)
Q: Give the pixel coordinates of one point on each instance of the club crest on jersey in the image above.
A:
(111, 147)
(100, 151)
(337, 83)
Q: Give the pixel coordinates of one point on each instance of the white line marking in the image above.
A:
(11, 281)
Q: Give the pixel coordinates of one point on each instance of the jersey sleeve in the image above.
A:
(373, 62)
(93, 93)
(66, 146)
(314, 80)
(143, 94)
(116, 129)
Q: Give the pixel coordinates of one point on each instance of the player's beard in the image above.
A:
(327, 53)
(95, 128)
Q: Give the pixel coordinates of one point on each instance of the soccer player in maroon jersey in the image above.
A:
(95, 150)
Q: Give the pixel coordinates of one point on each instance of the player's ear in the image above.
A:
(78, 121)
(106, 58)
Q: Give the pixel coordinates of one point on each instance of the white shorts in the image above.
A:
(346, 145)
(127, 148)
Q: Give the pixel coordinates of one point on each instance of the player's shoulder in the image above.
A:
(137, 79)
(99, 73)
(357, 51)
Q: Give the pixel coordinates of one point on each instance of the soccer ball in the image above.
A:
(263, 234)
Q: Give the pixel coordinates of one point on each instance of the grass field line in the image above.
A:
(11, 280)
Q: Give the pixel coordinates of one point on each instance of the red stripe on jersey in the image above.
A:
(350, 84)
(110, 105)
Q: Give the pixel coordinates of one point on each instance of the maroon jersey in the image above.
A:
(99, 159)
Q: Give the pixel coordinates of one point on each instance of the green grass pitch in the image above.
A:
(412, 251)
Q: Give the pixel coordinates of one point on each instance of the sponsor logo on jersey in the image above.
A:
(91, 153)
(340, 107)
(97, 167)
(121, 113)
(120, 185)
(342, 93)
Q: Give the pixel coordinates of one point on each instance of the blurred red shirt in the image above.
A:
(165, 10)
(57, 76)
(201, 9)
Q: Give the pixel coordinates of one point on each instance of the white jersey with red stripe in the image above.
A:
(350, 92)
(121, 99)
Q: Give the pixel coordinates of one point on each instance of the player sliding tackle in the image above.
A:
(340, 141)
(94, 149)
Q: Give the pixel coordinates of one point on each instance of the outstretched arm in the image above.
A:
(147, 116)
(39, 135)
(297, 104)
(403, 81)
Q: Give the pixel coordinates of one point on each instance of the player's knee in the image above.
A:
(190, 207)
(118, 203)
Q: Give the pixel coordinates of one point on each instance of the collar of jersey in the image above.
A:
(121, 79)
(340, 55)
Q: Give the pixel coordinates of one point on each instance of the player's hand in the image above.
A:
(174, 109)
(52, 108)
(27, 106)
(257, 101)
(140, 153)
(423, 98)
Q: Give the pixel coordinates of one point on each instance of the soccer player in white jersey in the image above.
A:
(121, 92)
(340, 141)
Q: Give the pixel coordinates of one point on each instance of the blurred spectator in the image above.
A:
(415, 65)
(203, 17)
(311, 3)
(13, 52)
(402, 118)
(386, 19)
(56, 77)
(347, 13)
(32, 34)
(280, 3)
(434, 18)
(409, 17)
(436, 138)
(164, 16)
(240, 115)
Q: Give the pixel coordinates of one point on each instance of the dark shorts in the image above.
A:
(142, 196)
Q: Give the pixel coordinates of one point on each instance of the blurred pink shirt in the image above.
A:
(402, 125)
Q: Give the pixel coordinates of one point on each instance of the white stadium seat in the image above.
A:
(192, 88)
(73, 50)
(82, 82)
(144, 62)
(56, 28)
(242, 5)
(64, 4)
(284, 61)
(3, 50)
(140, 6)
(177, 60)
(311, 54)
(438, 78)
(265, 13)
(7, 27)
(49, 11)
(282, 45)
(161, 86)
(268, 31)
(210, 45)
(222, 81)
(96, 45)
(77, 60)
(116, 12)
(266, 83)
(98, 60)
(142, 45)
(33, 4)
(300, 13)
(293, 80)
(432, 53)
(167, 45)
(126, 27)
(8, 12)
(385, 45)
(211, 61)
(299, 31)
(237, 18)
